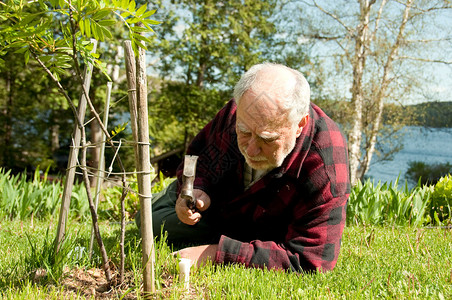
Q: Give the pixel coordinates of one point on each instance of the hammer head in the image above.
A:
(188, 178)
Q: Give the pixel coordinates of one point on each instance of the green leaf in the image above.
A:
(101, 14)
(132, 20)
(65, 66)
(106, 32)
(125, 14)
(124, 4)
(148, 13)
(98, 35)
(141, 38)
(141, 10)
(27, 57)
(108, 22)
(88, 45)
(151, 22)
(26, 20)
(139, 29)
(139, 44)
(87, 27)
(21, 50)
(132, 5)
(81, 25)
(43, 5)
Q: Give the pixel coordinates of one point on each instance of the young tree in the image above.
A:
(55, 35)
(376, 47)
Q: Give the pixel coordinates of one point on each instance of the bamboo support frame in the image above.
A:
(73, 155)
(137, 82)
(101, 167)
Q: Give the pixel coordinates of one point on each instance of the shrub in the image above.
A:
(427, 174)
(441, 200)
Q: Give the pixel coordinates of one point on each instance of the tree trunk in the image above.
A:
(6, 157)
(375, 126)
(55, 137)
(361, 48)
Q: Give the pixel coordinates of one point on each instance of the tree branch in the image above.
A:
(426, 60)
(350, 30)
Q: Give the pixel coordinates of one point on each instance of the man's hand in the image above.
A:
(185, 214)
(199, 254)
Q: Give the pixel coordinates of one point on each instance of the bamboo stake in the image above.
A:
(73, 154)
(142, 156)
(101, 167)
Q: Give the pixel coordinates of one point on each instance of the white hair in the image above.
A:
(296, 96)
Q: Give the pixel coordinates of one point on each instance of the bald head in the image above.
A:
(282, 86)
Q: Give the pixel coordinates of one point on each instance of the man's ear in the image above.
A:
(303, 122)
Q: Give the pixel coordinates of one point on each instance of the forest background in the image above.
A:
(374, 67)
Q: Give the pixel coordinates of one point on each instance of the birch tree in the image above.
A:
(379, 49)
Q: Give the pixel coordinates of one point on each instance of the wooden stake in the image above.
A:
(101, 167)
(143, 163)
(73, 155)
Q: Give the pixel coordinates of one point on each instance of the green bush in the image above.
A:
(441, 200)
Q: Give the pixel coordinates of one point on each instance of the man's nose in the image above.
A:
(253, 148)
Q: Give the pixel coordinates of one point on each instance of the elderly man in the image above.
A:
(271, 184)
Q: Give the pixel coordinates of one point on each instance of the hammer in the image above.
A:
(188, 178)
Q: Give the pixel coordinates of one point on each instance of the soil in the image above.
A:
(91, 284)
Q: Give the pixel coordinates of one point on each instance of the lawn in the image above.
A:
(397, 244)
(375, 262)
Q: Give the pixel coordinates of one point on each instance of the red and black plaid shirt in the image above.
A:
(293, 217)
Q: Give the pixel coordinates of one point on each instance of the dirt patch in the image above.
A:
(91, 284)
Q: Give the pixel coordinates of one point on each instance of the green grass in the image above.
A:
(387, 252)
(375, 262)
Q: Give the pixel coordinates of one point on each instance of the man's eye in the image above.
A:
(269, 140)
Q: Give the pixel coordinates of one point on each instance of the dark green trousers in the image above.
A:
(165, 221)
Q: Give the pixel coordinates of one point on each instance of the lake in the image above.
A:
(429, 145)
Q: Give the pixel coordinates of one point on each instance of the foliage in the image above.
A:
(53, 37)
(22, 197)
(386, 204)
(432, 114)
(218, 40)
(32, 26)
(203, 48)
(179, 113)
(427, 174)
(441, 200)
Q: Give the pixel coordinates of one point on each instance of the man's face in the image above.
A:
(264, 135)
